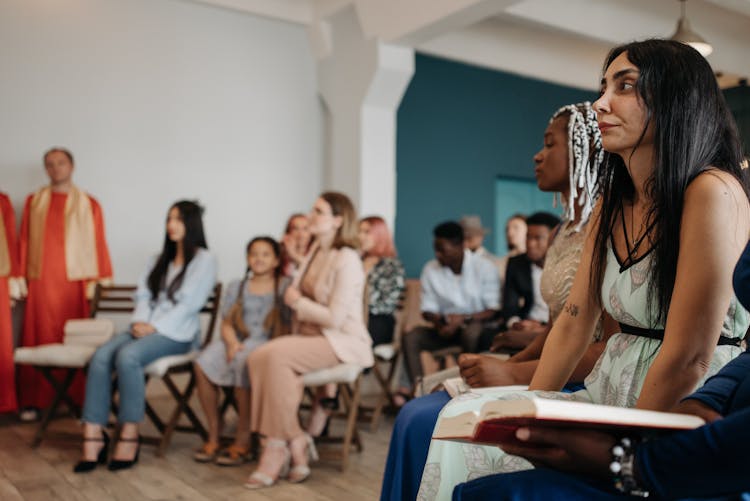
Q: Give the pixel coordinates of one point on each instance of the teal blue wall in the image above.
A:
(459, 127)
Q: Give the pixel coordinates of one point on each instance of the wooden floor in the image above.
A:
(46, 473)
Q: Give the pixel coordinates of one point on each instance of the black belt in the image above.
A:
(659, 334)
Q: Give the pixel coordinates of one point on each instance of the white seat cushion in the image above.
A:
(342, 373)
(55, 355)
(88, 331)
(160, 366)
(385, 351)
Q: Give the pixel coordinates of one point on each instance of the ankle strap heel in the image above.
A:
(259, 479)
(101, 458)
(119, 464)
(301, 472)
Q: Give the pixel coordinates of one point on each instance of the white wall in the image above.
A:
(161, 100)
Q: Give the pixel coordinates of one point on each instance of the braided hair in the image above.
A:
(585, 156)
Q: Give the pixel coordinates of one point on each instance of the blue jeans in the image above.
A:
(128, 356)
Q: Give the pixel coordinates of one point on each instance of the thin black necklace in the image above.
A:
(631, 258)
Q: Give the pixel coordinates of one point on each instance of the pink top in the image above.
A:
(331, 303)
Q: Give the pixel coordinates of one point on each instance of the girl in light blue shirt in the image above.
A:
(169, 297)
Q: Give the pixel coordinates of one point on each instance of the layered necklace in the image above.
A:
(632, 249)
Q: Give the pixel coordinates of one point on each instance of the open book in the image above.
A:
(498, 420)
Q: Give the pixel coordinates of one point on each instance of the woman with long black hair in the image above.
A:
(169, 297)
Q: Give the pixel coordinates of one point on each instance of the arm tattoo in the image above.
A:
(571, 309)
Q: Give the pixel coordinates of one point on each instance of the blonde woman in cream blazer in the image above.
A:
(328, 329)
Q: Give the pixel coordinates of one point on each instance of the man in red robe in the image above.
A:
(63, 254)
(9, 274)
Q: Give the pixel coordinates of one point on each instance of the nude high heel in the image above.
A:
(260, 480)
(301, 472)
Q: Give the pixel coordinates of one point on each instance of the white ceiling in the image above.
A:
(557, 40)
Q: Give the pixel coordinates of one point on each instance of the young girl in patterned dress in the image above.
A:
(252, 309)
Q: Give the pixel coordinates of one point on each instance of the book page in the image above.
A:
(581, 412)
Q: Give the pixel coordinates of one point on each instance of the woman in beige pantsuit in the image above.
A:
(329, 327)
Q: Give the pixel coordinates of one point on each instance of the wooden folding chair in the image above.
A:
(388, 356)
(119, 299)
(166, 368)
(71, 356)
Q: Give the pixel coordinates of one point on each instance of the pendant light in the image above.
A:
(687, 36)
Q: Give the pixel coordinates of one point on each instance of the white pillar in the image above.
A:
(361, 83)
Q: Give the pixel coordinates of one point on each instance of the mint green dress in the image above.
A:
(616, 379)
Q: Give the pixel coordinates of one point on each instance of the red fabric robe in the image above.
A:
(53, 298)
(7, 370)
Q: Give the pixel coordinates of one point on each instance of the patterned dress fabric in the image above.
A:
(385, 283)
(213, 360)
(616, 379)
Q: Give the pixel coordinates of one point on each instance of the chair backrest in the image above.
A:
(409, 313)
(211, 308)
(413, 305)
(119, 299)
(113, 299)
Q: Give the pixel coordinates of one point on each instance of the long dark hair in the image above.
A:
(694, 131)
(191, 215)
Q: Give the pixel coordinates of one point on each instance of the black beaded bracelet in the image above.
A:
(622, 469)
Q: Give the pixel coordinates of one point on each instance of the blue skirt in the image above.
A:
(410, 442)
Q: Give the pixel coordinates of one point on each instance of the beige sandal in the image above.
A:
(259, 479)
(301, 472)
(206, 453)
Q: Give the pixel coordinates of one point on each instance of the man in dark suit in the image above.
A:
(523, 308)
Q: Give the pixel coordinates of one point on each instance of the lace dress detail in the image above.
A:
(560, 266)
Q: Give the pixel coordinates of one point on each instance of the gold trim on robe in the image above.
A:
(81, 260)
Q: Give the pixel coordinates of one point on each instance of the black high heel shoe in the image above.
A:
(101, 458)
(118, 464)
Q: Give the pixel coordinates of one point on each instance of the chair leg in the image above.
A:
(61, 393)
(197, 425)
(386, 396)
(351, 422)
(183, 407)
(153, 416)
(171, 424)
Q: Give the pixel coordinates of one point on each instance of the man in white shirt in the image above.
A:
(460, 298)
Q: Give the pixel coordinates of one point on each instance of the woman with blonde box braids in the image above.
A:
(567, 165)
